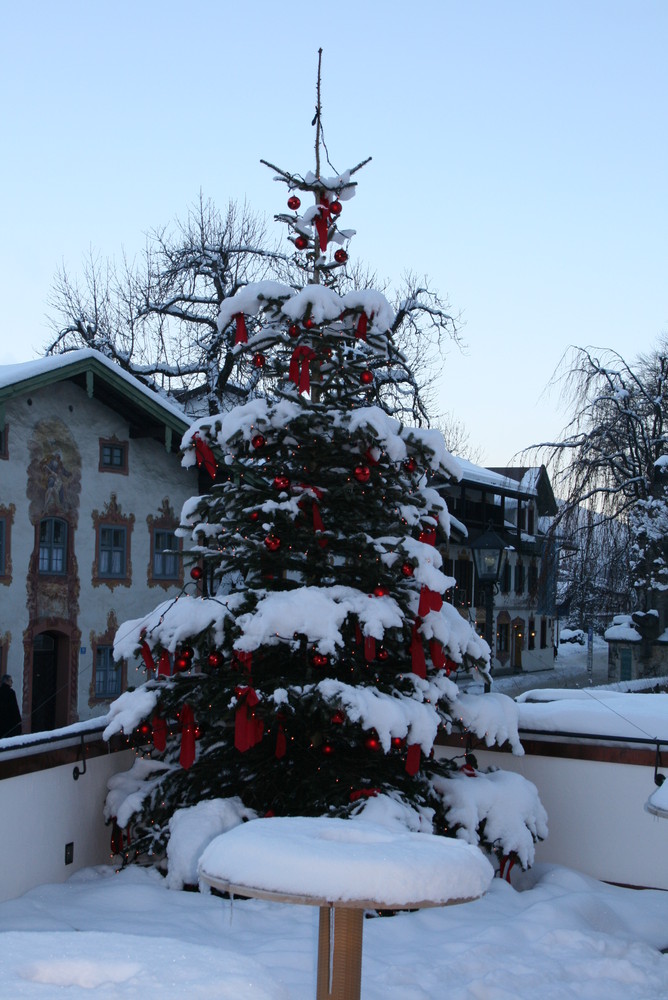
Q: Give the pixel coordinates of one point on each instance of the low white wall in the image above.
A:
(43, 811)
(596, 818)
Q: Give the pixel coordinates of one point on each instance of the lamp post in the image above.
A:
(487, 552)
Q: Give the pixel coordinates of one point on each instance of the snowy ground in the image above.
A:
(108, 935)
(570, 671)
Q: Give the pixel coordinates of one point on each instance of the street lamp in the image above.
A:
(487, 552)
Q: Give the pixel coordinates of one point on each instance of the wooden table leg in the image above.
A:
(340, 966)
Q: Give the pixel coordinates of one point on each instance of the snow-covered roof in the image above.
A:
(58, 366)
(91, 369)
(487, 477)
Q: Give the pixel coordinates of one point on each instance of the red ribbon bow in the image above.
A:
(147, 656)
(159, 732)
(247, 729)
(241, 336)
(322, 223)
(413, 759)
(418, 661)
(429, 601)
(205, 456)
(300, 372)
(165, 664)
(187, 755)
(362, 324)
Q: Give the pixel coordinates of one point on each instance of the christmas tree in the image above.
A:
(306, 670)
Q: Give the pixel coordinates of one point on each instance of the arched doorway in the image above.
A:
(50, 681)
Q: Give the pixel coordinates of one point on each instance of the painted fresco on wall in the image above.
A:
(54, 473)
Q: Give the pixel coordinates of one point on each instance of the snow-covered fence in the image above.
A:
(594, 794)
(51, 823)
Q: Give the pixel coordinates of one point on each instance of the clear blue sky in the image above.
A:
(520, 158)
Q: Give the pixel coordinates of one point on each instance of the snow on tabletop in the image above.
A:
(346, 861)
(598, 712)
(192, 829)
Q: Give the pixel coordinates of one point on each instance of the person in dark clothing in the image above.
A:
(10, 717)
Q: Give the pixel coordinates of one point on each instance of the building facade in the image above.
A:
(91, 490)
(518, 503)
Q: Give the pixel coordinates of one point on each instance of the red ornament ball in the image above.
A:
(410, 465)
(338, 718)
(309, 323)
(320, 660)
(197, 572)
(273, 543)
(188, 652)
(362, 473)
(301, 242)
(381, 591)
(259, 360)
(366, 378)
(181, 663)
(293, 330)
(327, 748)
(254, 515)
(281, 483)
(294, 203)
(382, 654)
(145, 729)
(258, 441)
(398, 743)
(335, 208)
(372, 743)
(215, 660)
(340, 256)
(407, 569)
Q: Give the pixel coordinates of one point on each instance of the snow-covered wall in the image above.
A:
(43, 811)
(596, 817)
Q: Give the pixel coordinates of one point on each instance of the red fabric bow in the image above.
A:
(418, 662)
(413, 759)
(205, 456)
(369, 648)
(241, 336)
(187, 755)
(247, 729)
(362, 325)
(300, 372)
(281, 743)
(438, 657)
(322, 223)
(147, 656)
(165, 664)
(429, 601)
(159, 732)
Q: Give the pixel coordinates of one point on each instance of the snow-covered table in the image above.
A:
(344, 867)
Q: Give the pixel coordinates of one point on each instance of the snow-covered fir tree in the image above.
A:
(309, 666)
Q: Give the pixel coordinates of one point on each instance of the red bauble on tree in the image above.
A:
(273, 543)
(335, 208)
(309, 323)
(410, 465)
(338, 718)
(293, 330)
(259, 360)
(197, 572)
(366, 378)
(407, 570)
(320, 660)
(380, 591)
(294, 203)
(382, 653)
(258, 441)
(254, 515)
(362, 473)
(215, 660)
(181, 663)
(301, 242)
(281, 483)
(340, 256)
(372, 742)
